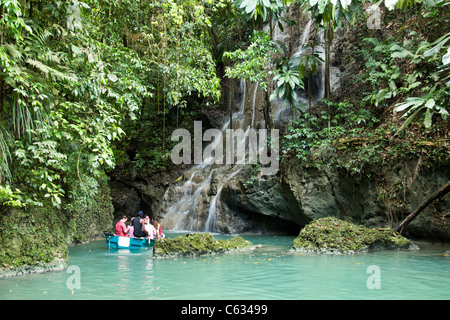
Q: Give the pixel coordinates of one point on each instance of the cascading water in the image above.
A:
(187, 206)
(193, 206)
(211, 222)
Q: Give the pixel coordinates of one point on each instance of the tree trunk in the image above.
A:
(438, 194)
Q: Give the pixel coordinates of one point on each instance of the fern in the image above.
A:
(39, 65)
(49, 71)
(13, 51)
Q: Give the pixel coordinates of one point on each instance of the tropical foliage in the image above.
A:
(90, 86)
(403, 80)
(77, 76)
(74, 74)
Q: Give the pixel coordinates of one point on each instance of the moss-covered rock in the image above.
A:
(37, 239)
(195, 244)
(334, 236)
(32, 240)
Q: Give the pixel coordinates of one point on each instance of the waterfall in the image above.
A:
(189, 201)
(322, 66)
(304, 40)
(193, 205)
(305, 35)
(243, 89)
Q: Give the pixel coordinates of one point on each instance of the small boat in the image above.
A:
(118, 242)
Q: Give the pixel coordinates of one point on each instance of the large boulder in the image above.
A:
(334, 236)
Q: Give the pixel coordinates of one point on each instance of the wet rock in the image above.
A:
(56, 265)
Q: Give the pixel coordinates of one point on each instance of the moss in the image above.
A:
(198, 244)
(331, 235)
(90, 217)
(33, 236)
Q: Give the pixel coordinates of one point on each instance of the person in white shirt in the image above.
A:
(150, 228)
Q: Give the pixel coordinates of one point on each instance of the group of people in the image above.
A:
(140, 227)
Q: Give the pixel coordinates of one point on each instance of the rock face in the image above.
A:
(265, 204)
(324, 192)
(56, 265)
(36, 239)
(243, 202)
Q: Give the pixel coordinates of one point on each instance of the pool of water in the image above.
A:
(270, 272)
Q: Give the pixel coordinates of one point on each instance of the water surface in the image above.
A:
(270, 271)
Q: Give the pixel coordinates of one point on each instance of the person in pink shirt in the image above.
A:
(121, 228)
(131, 229)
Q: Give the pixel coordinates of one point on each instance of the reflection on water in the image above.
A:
(271, 271)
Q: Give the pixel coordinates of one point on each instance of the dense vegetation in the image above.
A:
(396, 104)
(89, 86)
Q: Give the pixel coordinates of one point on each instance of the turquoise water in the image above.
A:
(270, 272)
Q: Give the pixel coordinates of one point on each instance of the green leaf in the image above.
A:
(322, 5)
(413, 101)
(409, 120)
(438, 44)
(390, 4)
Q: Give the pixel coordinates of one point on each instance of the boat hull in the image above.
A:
(117, 242)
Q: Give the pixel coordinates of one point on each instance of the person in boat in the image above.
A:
(152, 233)
(131, 229)
(157, 226)
(139, 227)
(121, 228)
